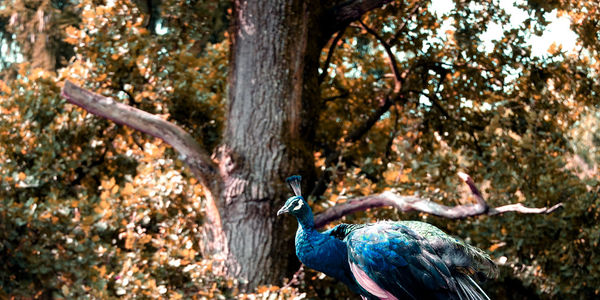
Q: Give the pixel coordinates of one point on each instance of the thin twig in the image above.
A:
(295, 277)
(396, 36)
(398, 77)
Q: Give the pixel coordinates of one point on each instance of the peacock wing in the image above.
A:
(456, 254)
(391, 261)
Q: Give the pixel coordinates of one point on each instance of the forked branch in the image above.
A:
(415, 203)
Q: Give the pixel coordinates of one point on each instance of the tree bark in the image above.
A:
(31, 26)
(263, 134)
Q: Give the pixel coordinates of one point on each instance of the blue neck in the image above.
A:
(322, 252)
(306, 220)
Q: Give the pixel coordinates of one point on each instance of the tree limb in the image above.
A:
(349, 11)
(352, 10)
(394, 96)
(203, 168)
(332, 47)
(353, 136)
(189, 150)
(398, 77)
(415, 203)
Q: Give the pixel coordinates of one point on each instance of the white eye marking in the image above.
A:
(297, 207)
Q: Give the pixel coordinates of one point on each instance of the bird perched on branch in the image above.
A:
(390, 260)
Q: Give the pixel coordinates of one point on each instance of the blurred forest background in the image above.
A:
(92, 209)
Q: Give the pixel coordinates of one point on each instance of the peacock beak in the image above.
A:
(283, 210)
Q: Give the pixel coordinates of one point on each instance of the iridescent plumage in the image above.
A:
(390, 260)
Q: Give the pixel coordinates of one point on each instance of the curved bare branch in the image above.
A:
(189, 150)
(353, 136)
(394, 96)
(415, 203)
(398, 77)
(334, 44)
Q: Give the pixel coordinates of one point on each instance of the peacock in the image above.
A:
(390, 259)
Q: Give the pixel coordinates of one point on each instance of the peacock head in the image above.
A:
(295, 205)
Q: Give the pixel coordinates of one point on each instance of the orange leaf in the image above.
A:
(104, 195)
(494, 247)
(145, 239)
(88, 14)
(129, 241)
(72, 31)
(107, 185)
(104, 204)
(102, 271)
(127, 190)
(70, 40)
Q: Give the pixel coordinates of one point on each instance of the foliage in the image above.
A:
(93, 209)
(97, 217)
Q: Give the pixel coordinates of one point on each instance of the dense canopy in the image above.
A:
(401, 97)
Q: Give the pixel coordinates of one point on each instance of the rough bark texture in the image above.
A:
(265, 106)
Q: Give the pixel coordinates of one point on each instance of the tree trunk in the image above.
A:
(32, 26)
(263, 138)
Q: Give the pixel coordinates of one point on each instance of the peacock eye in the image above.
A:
(298, 206)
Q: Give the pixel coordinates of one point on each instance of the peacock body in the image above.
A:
(390, 260)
